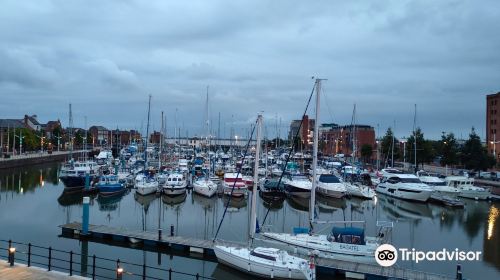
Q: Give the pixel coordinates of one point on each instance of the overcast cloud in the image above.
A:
(105, 57)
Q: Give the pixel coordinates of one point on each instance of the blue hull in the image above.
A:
(74, 182)
(110, 189)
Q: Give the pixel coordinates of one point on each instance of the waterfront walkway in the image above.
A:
(22, 272)
(34, 158)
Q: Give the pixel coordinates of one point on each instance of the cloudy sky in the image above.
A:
(105, 57)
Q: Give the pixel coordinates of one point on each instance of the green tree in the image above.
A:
(449, 150)
(366, 152)
(474, 155)
(425, 150)
(386, 147)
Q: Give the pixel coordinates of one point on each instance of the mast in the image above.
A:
(70, 132)
(315, 155)
(147, 137)
(354, 138)
(392, 146)
(253, 214)
(161, 142)
(415, 136)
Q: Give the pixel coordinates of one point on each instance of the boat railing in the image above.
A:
(84, 264)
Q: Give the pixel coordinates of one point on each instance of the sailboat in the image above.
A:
(342, 243)
(263, 261)
(146, 184)
(204, 185)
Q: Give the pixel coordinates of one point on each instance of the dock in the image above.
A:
(23, 272)
(204, 248)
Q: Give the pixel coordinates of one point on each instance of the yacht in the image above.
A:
(265, 262)
(234, 184)
(147, 185)
(466, 187)
(440, 187)
(359, 190)
(298, 185)
(331, 186)
(343, 243)
(176, 184)
(73, 173)
(205, 187)
(404, 186)
(109, 184)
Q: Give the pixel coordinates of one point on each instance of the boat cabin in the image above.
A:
(348, 235)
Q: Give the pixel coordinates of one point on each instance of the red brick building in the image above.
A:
(493, 123)
(339, 139)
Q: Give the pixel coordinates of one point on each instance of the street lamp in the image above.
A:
(41, 142)
(58, 142)
(20, 142)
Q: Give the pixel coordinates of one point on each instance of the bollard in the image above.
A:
(171, 230)
(459, 272)
(85, 217)
(12, 252)
(159, 234)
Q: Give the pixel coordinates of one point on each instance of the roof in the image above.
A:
(11, 123)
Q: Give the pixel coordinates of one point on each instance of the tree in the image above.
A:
(366, 152)
(425, 150)
(474, 155)
(387, 142)
(449, 150)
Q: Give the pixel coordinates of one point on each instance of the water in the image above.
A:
(32, 208)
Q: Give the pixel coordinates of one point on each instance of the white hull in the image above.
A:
(170, 190)
(207, 190)
(360, 191)
(146, 190)
(422, 196)
(327, 249)
(475, 194)
(240, 258)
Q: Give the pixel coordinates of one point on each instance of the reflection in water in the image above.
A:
(235, 203)
(110, 202)
(425, 226)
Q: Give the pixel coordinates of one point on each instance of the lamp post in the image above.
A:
(41, 142)
(20, 141)
(494, 143)
(58, 142)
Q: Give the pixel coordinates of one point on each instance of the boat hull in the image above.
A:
(421, 196)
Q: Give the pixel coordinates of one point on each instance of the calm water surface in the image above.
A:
(32, 207)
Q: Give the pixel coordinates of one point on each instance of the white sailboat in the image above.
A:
(343, 243)
(262, 261)
(145, 184)
(204, 185)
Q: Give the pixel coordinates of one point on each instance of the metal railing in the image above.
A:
(97, 268)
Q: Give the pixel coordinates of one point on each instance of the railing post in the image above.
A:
(29, 254)
(170, 274)
(50, 258)
(459, 272)
(197, 276)
(119, 270)
(144, 271)
(93, 267)
(171, 230)
(70, 263)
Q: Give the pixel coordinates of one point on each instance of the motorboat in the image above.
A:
(73, 173)
(234, 185)
(441, 189)
(330, 185)
(298, 185)
(466, 187)
(404, 186)
(109, 184)
(176, 184)
(359, 190)
(271, 188)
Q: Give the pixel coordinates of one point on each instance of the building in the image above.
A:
(52, 129)
(155, 137)
(305, 131)
(100, 136)
(32, 123)
(493, 123)
(339, 140)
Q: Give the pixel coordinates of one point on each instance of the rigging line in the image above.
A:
(234, 184)
(327, 105)
(293, 146)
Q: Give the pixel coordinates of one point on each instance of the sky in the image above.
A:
(106, 57)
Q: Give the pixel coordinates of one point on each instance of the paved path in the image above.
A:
(22, 272)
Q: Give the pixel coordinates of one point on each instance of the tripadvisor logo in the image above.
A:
(387, 255)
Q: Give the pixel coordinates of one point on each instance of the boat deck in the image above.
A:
(22, 272)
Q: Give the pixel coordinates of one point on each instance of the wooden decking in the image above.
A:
(22, 272)
(206, 247)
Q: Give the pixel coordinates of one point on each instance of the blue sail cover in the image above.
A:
(350, 235)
